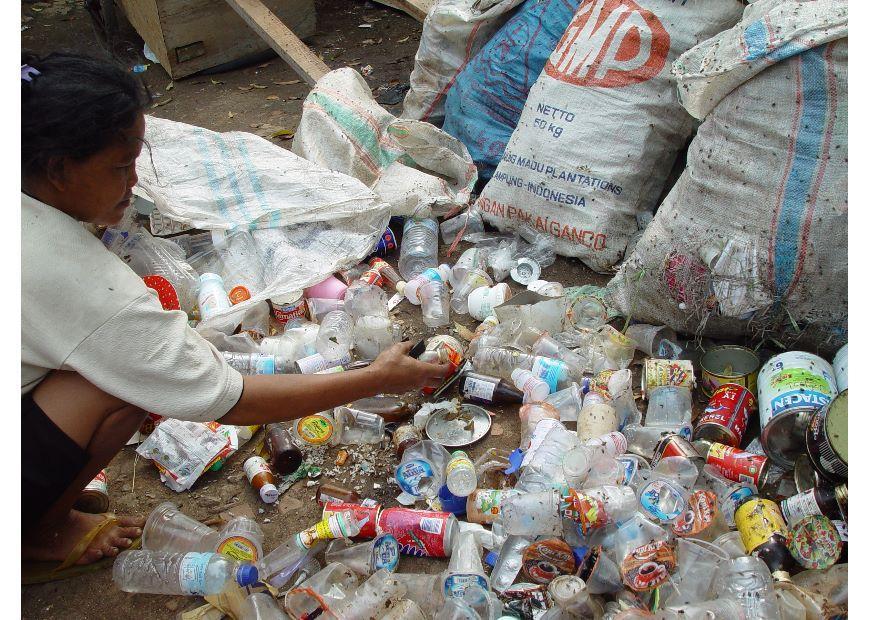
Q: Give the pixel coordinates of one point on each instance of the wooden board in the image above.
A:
(276, 34)
(417, 9)
(188, 36)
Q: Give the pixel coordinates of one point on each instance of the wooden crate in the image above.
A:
(189, 36)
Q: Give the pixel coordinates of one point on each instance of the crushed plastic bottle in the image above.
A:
(164, 572)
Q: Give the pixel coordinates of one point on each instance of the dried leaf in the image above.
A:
(404, 40)
(158, 104)
(288, 82)
(169, 86)
(259, 86)
(216, 82)
(281, 133)
(272, 98)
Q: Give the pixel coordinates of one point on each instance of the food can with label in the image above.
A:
(422, 533)
(728, 364)
(658, 372)
(94, 498)
(734, 464)
(289, 306)
(791, 385)
(827, 440)
(725, 418)
(676, 445)
(840, 368)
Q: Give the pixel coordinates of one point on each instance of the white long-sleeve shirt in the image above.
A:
(83, 309)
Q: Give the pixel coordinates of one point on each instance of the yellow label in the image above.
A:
(757, 521)
(459, 459)
(315, 429)
(238, 548)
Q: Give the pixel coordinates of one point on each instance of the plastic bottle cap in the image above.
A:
(526, 271)
(247, 575)
(269, 493)
(400, 287)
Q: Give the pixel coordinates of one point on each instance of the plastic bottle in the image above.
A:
(530, 416)
(422, 468)
(337, 525)
(543, 460)
(461, 475)
(362, 299)
(358, 427)
(211, 296)
(372, 597)
(256, 321)
(278, 566)
(259, 363)
(596, 507)
(749, 581)
(465, 570)
(500, 362)
(480, 388)
(162, 572)
(434, 297)
(261, 478)
(241, 539)
(335, 335)
(283, 455)
(533, 388)
(474, 279)
(373, 335)
(242, 271)
(410, 289)
(261, 606)
(419, 247)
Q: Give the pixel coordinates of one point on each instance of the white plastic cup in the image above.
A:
(483, 300)
(698, 565)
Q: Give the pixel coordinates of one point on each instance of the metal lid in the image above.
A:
(458, 427)
(815, 542)
(837, 425)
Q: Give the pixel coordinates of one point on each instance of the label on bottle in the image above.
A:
(648, 566)
(456, 585)
(385, 553)
(550, 370)
(98, 485)
(588, 510)
(459, 460)
(315, 363)
(545, 560)
(193, 572)
(698, 516)
(255, 465)
(315, 429)
(264, 365)
(328, 528)
(239, 548)
(365, 514)
(409, 474)
(486, 505)
(662, 499)
(798, 506)
(757, 521)
(477, 389)
(735, 464)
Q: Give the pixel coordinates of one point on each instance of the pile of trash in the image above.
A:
(602, 511)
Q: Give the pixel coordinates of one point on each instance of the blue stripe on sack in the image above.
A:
(785, 51)
(255, 182)
(756, 38)
(809, 142)
(212, 179)
(224, 151)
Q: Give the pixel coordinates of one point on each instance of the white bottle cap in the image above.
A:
(269, 493)
(400, 287)
(526, 271)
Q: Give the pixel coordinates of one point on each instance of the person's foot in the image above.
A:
(54, 543)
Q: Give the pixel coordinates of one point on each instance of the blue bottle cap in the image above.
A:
(579, 554)
(516, 461)
(491, 558)
(247, 575)
(452, 503)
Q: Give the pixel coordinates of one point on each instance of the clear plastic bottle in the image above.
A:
(241, 539)
(501, 362)
(262, 606)
(211, 296)
(335, 335)
(163, 572)
(461, 474)
(441, 273)
(465, 569)
(749, 581)
(148, 255)
(419, 247)
(242, 270)
(278, 566)
(543, 461)
(327, 590)
(532, 514)
(259, 363)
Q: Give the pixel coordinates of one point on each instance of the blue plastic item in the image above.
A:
(486, 101)
(452, 503)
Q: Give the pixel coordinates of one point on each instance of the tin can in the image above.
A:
(405, 436)
(790, 386)
(289, 307)
(736, 465)
(840, 368)
(659, 372)
(676, 445)
(725, 418)
(367, 513)
(446, 350)
(729, 364)
(422, 533)
(827, 440)
(94, 498)
(545, 560)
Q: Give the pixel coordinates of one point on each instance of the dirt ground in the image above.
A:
(223, 102)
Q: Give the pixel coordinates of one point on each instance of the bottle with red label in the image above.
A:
(830, 502)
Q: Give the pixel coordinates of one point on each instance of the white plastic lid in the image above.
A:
(269, 493)
(526, 271)
(400, 287)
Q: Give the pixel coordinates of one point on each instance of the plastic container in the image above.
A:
(474, 279)
(530, 416)
(532, 514)
(669, 406)
(241, 539)
(546, 288)
(500, 362)
(162, 572)
(335, 335)
(748, 580)
(483, 300)
(367, 557)
(168, 529)
(326, 591)
(372, 598)
(595, 507)
(645, 554)
(543, 459)
(410, 289)
(595, 420)
(359, 427)
(465, 569)
(422, 469)
(372, 335)
(261, 478)
(699, 564)
(278, 566)
(242, 270)
(435, 300)
(261, 606)
(211, 297)
(419, 247)
(329, 288)
(472, 258)
(567, 402)
(534, 389)
(259, 363)
(363, 299)
(470, 221)
(461, 476)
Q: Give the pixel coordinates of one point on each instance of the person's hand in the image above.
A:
(397, 372)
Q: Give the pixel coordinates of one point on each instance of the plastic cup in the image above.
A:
(576, 465)
(601, 572)
(648, 337)
(319, 307)
(435, 300)
(532, 514)
(168, 529)
(698, 565)
(526, 271)
(365, 558)
(669, 405)
(474, 279)
(546, 288)
(483, 300)
(470, 258)
(567, 402)
(329, 288)
(372, 335)
(730, 543)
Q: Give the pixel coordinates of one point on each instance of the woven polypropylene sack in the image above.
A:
(602, 126)
(453, 31)
(753, 237)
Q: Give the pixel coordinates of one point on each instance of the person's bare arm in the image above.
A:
(276, 398)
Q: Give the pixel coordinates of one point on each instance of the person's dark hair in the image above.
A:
(75, 107)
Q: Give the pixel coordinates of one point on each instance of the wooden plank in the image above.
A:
(275, 33)
(417, 9)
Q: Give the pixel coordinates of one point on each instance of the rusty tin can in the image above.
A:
(725, 418)
(729, 364)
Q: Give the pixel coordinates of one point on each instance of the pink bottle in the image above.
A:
(329, 288)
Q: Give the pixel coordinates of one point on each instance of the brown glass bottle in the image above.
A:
(282, 453)
(390, 408)
(830, 502)
(328, 492)
(489, 390)
(764, 532)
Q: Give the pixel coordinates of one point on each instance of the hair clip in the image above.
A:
(28, 73)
